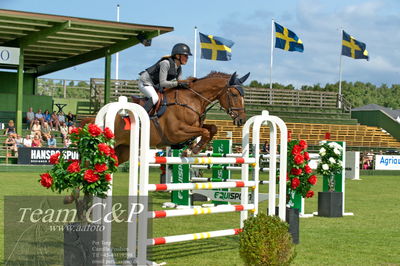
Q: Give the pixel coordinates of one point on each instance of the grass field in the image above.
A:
(370, 237)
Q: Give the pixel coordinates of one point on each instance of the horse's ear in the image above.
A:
(232, 80)
(243, 79)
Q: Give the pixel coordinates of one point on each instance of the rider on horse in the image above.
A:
(166, 73)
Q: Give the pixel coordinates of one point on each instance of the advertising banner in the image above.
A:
(9, 55)
(42, 155)
(387, 162)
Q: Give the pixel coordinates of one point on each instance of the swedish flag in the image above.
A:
(215, 48)
(287, 39)
(353, 48)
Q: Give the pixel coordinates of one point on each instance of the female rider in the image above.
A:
(166, 73)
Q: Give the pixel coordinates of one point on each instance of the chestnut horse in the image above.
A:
(183, 120)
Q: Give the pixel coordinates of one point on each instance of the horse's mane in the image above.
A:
(212, 74)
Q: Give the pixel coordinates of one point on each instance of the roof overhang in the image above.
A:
(51, 42)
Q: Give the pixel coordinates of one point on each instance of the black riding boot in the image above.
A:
(148, 105)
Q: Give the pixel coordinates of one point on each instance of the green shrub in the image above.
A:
(265, 240)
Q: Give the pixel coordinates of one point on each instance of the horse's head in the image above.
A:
(232, 100)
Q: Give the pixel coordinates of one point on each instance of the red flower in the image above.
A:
(54, 158)
(74, 167)
(298, 159)
(46, 180)
(295, 183)
(287, 176)
(296, 149)
(90, 176)
(312, 180)
(104, 148)
(108, 133)
(112, 151)
(115, 159)
(296, 171)
(108, 177)
(307, 169)
(75, 130)
(100, 167)
(310, 194)
(94, 130)
(306, 156)
(303, 144)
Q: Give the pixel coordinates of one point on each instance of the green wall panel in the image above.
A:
(9, 83)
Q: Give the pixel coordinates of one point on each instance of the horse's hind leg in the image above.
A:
(122, 152)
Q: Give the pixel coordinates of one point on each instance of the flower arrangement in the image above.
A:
(330, 163)
(91, 174)
(299, 176)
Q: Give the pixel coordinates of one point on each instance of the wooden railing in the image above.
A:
(262, 96)
(118, 88)
(253, 96)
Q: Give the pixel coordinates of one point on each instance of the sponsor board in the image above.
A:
(387, 162)
(42, 155)
(9, 55)
(229, 196)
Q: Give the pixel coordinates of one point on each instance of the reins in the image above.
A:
(231, 110)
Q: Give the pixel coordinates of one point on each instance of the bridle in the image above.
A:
(232, 111)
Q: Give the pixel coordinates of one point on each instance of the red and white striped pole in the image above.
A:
(191, 186)
(189, 237)
(200, 211)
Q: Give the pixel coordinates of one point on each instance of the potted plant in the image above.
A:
(330, 203)
(265, 241)
(300, 180)
(87, 177)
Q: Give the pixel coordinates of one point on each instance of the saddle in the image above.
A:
(158, 109)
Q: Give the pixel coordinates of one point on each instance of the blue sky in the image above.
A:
(248, 24)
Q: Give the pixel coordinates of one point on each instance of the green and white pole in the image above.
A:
(180, 174)
(223, 146)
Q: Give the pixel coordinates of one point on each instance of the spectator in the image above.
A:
(61, 117)
(63, 130)
(39, 116)
(28, 141)
(47, 116)
(265, 147)
(36, 129)
(67, 141)
(71, 127)
(19, 141)
(51, 142)
(45, 131)
(70, 119)
(11, 145)
(37, 141)
(54, 123)
(30, 117)
(10, 128)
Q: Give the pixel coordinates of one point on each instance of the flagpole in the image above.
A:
(340, 72)
(117, 54)
(195, 52)
(272, 52)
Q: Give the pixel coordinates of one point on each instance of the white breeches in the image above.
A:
(148, 91)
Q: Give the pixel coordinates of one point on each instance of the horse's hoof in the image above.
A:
(186, 153)
(196, 150)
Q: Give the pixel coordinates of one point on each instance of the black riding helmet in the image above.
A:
(181, 48)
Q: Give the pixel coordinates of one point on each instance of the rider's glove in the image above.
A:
(183, 85)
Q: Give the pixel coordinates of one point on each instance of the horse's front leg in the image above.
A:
(189, 132)
(212, 129)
